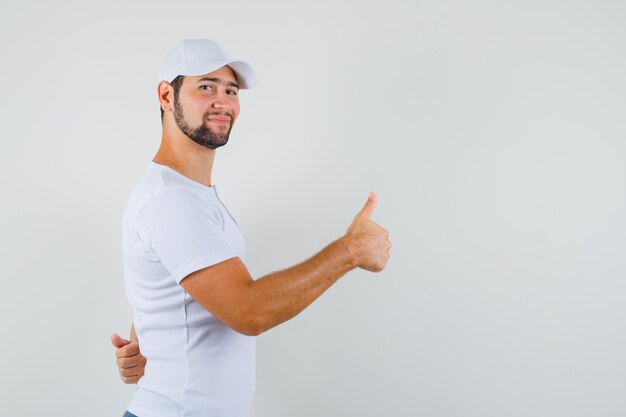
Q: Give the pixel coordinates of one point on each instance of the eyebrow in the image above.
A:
(219, 81)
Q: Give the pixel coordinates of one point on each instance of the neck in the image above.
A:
(182, 154)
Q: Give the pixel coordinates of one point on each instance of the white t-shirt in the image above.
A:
(197, 366)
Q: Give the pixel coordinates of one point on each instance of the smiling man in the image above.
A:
(196, 309)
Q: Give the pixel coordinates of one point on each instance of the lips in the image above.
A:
(220, 119)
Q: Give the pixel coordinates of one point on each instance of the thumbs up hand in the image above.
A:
(371, 242)
(130, 361)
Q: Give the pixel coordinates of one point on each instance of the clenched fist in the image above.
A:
(370, 241)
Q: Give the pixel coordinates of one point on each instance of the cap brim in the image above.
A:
(246, 76)
(244, 72)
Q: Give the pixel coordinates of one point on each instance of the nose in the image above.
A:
(222, 101)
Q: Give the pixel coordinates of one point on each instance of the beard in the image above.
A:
(203, 134)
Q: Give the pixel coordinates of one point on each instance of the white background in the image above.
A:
(493, 131)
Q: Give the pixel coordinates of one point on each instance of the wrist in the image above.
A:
(351, 247)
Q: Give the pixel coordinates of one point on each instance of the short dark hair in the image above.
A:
(176, 83)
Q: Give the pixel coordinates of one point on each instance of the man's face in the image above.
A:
(206, 107)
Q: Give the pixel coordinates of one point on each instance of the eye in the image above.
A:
(232, 92)
(206, 87)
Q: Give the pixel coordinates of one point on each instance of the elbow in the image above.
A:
(252, 323)
(254, 316)
(250, 328)
(250, 331)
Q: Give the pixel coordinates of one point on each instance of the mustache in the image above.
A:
(230, 115)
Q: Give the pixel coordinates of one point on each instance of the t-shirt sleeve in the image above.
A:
(184, 231)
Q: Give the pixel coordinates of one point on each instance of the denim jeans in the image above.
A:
(127, 414)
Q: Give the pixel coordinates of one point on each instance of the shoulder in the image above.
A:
(176, 202)
(163, 196)
(161, 188)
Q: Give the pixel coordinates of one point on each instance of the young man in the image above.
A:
(196, 308)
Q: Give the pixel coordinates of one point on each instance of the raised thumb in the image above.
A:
(118, 341)
(369, 207)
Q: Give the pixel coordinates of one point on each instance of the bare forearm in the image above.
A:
(251, 307)
(279, 296)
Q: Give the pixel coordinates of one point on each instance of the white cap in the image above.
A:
(201, 56)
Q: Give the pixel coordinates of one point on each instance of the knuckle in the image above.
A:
(123, 352)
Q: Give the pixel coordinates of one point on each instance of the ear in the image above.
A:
(166, 96)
